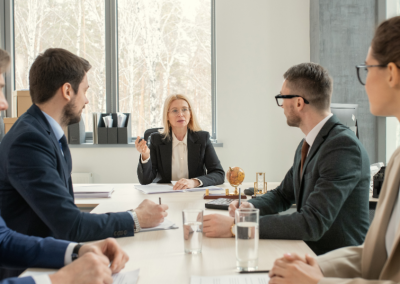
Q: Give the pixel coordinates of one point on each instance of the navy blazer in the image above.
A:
(36, 195)
(331, 197)
(203, 162)
(20, 251)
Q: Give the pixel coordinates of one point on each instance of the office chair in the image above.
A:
(148, 132)
(372, 207)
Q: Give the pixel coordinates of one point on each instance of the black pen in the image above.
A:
(159, 200)
(255, 271)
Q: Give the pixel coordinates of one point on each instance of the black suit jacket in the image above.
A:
(203, 162)
(36, 195)
(331, 198)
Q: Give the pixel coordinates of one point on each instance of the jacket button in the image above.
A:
(115, 233)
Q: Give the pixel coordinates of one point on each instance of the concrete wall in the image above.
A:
(341, 32)
(257, 41)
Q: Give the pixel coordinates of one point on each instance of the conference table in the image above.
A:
(160, 254)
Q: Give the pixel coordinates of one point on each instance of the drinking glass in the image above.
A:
(247, 226)
(192, 230)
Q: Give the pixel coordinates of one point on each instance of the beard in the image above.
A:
(292, 119)
(70, 116)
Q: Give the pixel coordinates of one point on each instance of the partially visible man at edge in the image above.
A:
(36, 193)
(17, 250)
(329, 179)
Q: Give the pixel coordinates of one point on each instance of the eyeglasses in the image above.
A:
(176, 111)
(279, 98)
(362, 71)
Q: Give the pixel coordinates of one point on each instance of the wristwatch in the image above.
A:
(75, 252)
(233, 229)
(137, 227)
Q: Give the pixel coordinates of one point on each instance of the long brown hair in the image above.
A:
(386, 42)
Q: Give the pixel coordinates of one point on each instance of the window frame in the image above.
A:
(111, 59)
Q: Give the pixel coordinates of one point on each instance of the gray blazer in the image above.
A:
(332, 197)
(203, 162)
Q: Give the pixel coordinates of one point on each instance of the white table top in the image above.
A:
(160, 254)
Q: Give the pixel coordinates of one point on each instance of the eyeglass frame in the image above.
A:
(180, 111)
(289, 97)
(358, 67)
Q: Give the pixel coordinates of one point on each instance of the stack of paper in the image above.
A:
(166, 225)
(228, 279)
(92, 191)
(212, 187)
(156, 188)
(164, 188)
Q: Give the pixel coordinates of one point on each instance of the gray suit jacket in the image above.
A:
(331, 198)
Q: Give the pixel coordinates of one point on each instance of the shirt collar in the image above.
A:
(175, 141)
(310, 138)
(57, 130)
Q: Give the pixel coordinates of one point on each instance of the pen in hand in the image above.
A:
(159, 200)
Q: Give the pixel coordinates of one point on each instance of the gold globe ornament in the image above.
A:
(235, 177)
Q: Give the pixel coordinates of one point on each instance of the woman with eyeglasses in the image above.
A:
(182, 152)
(378, 259)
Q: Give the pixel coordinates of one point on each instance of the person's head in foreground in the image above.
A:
(305, 95)
(58, 84)
(373, 261)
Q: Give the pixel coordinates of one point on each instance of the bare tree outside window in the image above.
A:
(164, 48)
(75, 25)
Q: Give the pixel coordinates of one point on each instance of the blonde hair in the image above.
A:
(4, 60)
(193, 124)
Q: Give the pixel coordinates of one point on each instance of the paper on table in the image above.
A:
(229, 279)
(166, 225)
(130, 277)
(156, 188)
(212, 187)
(92, 190)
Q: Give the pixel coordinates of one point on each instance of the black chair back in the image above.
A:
(148, 132)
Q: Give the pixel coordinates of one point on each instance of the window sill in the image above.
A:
(129, 145)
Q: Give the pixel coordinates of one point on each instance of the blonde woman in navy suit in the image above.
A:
(181, 152)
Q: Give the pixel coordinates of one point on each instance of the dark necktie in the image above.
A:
(67, 153)
(304, 152)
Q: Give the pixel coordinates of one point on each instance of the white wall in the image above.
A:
(257, 41)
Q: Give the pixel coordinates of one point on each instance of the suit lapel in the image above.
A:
(296, 172)
(323, 133)
(375, 264)
(166, 157)
(193, 153)
(35, 111)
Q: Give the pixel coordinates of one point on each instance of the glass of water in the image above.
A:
(247, 235)
(192, 230)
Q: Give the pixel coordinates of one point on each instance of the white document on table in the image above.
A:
(166, 225)
(211, 187)
(156, 188)
(231, 279)
(93, 190)
(130, 277)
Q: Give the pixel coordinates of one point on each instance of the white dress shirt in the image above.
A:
(310, 138)
(392, 226)
(45, 279)
(179, 164)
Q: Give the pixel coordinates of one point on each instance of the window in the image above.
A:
(78, 26)
(164, 48)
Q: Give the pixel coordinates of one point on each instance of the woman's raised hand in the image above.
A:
(142, 148)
